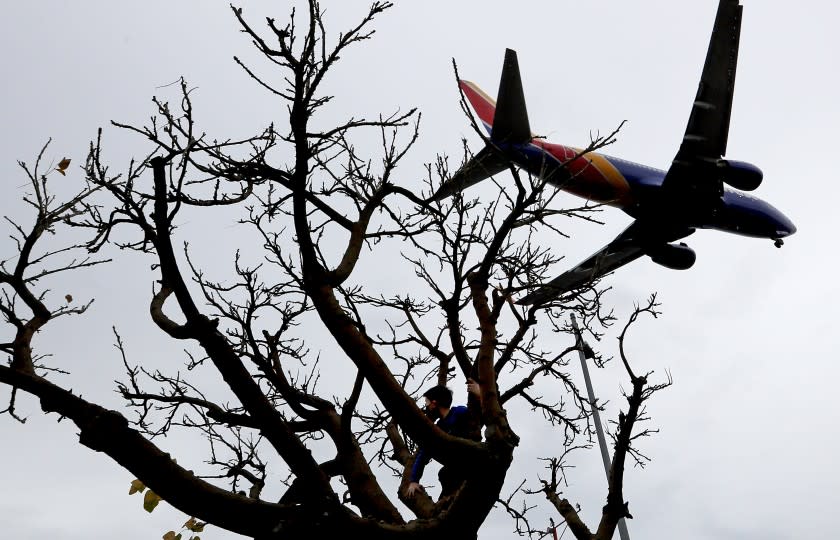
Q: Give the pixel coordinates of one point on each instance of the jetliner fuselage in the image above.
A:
(638, 190)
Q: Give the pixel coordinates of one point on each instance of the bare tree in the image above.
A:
(317, 206)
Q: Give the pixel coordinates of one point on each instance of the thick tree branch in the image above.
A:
(218, 349)
(107, 431)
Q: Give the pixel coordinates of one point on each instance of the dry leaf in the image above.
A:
(136, 486)
(150, 500)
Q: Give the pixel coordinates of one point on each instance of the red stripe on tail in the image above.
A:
(484, 105)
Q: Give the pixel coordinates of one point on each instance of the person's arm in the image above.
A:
(473, 388)
(420, 462)
(473, 429)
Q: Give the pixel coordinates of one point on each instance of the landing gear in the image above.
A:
(778, 242)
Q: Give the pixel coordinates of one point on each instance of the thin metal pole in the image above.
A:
(596, 417)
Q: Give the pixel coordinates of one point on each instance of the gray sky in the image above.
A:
(748, 431)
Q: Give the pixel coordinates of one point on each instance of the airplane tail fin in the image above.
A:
(510, 123)
(506, 121)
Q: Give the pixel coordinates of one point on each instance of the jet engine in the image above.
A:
(740, 174)
(673, 256)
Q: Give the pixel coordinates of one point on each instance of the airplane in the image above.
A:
(700, 190)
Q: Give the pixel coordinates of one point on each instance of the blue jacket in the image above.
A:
(456, 423)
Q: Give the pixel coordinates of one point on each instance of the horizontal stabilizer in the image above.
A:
(483, 165)
(484, 105)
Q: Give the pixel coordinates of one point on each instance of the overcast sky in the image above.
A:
(748, 433)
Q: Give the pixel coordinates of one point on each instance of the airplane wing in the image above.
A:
(635, 241)
(707, 131)
(617, 253)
